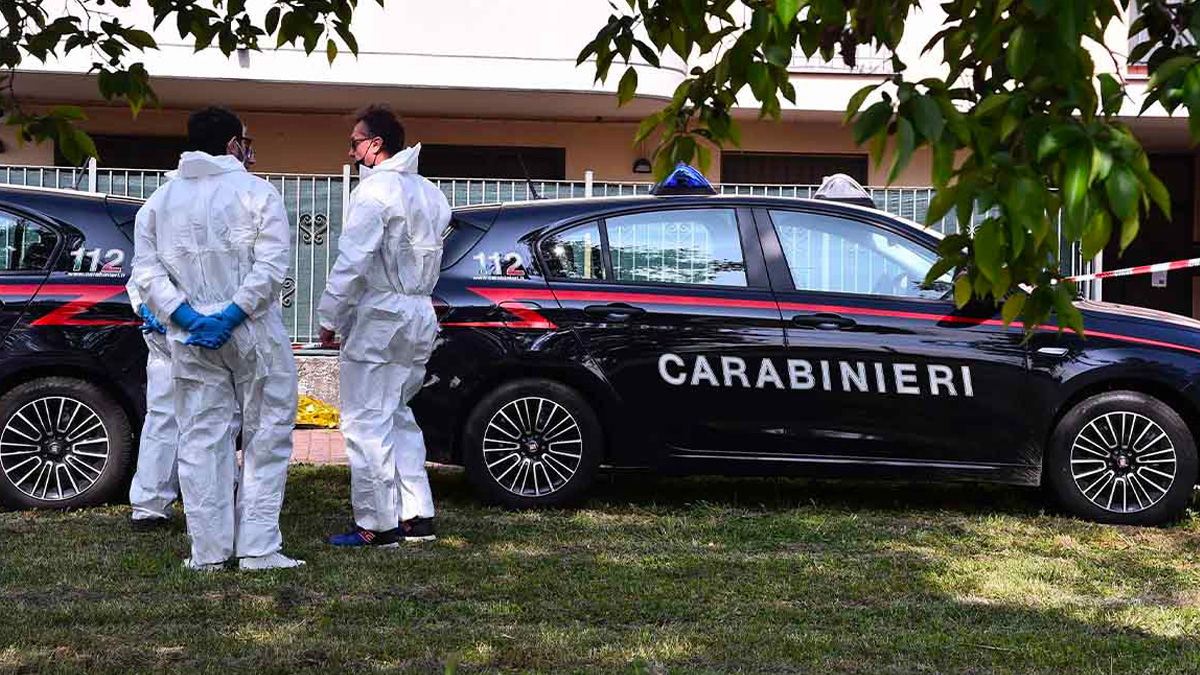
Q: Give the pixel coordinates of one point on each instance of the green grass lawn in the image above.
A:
(659, 576)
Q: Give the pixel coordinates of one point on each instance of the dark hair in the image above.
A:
(210, 129)
(381, 121)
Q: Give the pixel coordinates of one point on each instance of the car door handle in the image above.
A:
(823, 321)
(617, 311)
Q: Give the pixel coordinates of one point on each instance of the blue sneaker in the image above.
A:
(360, 536)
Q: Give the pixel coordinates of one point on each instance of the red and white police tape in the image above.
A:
(1140, 269)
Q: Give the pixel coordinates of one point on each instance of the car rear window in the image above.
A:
(459, 237)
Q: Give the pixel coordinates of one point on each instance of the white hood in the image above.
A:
(194, 164)
(404, 162)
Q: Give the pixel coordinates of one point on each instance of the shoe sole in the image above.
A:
(415, 540)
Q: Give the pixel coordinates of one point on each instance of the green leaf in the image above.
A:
(760, 80)
(940, 205)
(69, 113)
(1111, 94)
(1012, 307)
(779, 55)
(140, 39)
(331, 51)
(982, 286)
(1077, 168)
(647, 127)
(272, 20)
(1058, 138)
(939, 268)
(787, 10)
(856, 101)
(1169, 69)
(993, 102)
(1101, 165)
(943, 163)
(343, 32)
(989, 248)
(906, 142)
(703, 157)
(1009, 124)
(928, 118)
(1129, 231)
(1096, 236)
(647, 52)
(871, 121)
(962, 291)
(1156, 191)
(1022, 50)
(1064, 307)
(1123, 191)
(627, 87)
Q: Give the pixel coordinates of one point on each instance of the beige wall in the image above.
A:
(316, 142)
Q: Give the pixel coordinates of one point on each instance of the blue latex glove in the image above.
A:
(209, 332)
(185, 317)
(232, 316)
(150, 323)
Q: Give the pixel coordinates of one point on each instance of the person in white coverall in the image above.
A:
(156, 482)
(212, 250)
(378, 299)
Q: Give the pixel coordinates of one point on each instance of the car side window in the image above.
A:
(827, 253)
(685, 246)
(25, 246)
(575, 253)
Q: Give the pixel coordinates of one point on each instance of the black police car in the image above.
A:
(73, 362)
(694, 333)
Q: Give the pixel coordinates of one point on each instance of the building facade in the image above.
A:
(492, 91)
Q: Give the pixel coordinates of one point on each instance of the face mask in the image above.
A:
(239, 150)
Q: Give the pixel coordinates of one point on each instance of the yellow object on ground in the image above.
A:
(313, 412)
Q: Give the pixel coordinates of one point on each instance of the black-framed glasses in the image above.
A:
(246, 141)
(355, 141)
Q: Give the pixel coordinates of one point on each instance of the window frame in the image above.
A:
(544, 263)
(52, 259)
(781, 275)
(756, 279)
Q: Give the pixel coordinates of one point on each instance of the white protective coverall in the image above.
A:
(156, 481)
(212, 235)
(378, 300)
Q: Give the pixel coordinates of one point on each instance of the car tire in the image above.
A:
(64, 443)
(532, 443)
(1123, 457)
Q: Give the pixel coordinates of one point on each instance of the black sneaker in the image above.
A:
(417, 529)
(363, 537)
(150, 524)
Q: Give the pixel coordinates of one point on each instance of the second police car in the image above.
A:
(692, 333)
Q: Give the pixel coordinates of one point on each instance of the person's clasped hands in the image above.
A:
(211, 331)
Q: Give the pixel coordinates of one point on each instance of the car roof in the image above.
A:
(550, 211)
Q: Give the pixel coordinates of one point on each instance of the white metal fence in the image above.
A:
(315, 205)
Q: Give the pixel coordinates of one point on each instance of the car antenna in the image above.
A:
(528, 180)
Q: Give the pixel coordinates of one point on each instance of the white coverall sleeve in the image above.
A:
(361, 238)
(149, 276)
(272, 252)
(135, 297)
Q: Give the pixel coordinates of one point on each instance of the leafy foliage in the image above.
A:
(1020, 125)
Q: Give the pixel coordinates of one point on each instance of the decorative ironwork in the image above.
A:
(289, 291)
(313, 229)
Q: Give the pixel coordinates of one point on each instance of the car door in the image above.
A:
(674, 308)
(892, 373)
(27, 248)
